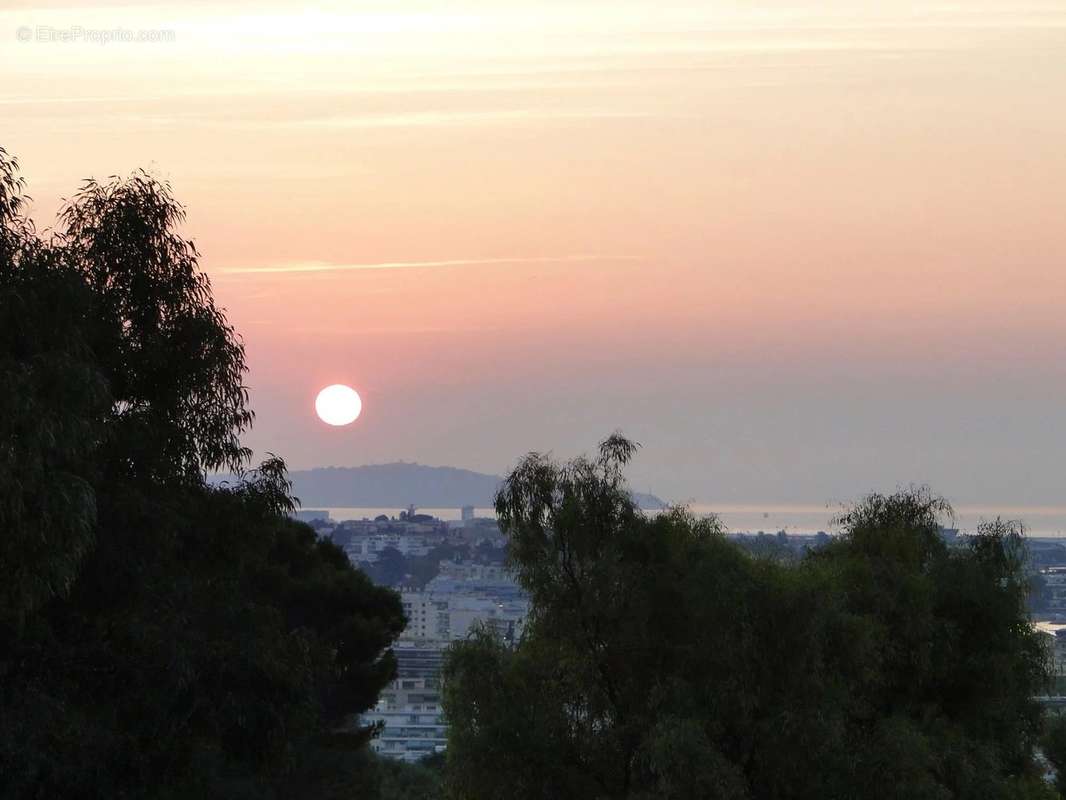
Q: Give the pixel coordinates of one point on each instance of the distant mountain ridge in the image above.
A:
(400, 484)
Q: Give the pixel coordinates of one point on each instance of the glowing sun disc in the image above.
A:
(338, 405)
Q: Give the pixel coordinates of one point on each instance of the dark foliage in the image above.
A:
(1054, 747)
(158, 637)
(662, 660)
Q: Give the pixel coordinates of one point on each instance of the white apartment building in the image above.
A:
(434, 616)
(409, 709)
(368, 547)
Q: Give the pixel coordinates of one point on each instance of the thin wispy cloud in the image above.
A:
(450, 118)
(330, 266)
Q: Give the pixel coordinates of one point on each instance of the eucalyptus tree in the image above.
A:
(662, 660)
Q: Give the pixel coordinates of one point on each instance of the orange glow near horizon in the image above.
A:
(646, 206)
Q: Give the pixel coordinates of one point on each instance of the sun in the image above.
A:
(338, 405)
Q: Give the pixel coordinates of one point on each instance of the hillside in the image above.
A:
(400, 484)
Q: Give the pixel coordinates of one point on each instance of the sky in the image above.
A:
(798, 250)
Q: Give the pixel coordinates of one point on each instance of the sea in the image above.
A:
(1039, 521)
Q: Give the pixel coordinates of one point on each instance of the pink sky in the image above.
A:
(798, 249)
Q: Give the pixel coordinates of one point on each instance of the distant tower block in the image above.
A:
(467, 513)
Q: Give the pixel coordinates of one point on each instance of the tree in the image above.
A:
(1054, 747)
(662, 660)
(1039, 594)
(51, 409)
(159, 637)
(425, 568)
(364, 775)
(390, 568)
(174, 365)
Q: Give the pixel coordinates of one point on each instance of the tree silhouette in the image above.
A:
(662, 660)
(158, 637)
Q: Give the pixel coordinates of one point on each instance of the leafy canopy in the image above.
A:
(158, 637)
(662, 660)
